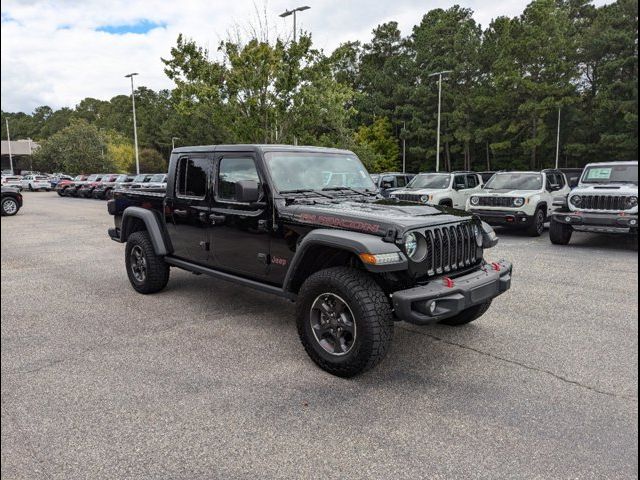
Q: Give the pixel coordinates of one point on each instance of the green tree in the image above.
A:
(78, 148)
(378, 145)
(151, 161)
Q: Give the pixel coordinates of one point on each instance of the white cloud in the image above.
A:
(52, 54)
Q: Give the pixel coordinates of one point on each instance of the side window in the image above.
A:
(191, 177)
(232, 170)
(402, 181)
(472, 181)
(459, 182)
(561, 181)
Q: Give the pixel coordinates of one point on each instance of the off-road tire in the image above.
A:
(537, 224)
(157, 270)
(468, 315)
(560, 233)
(9, 207)
(372, 317)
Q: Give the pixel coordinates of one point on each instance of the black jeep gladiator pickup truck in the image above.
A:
(308, 224)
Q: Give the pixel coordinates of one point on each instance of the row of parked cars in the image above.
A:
(33, 181)
(102, 185)
(527, 199)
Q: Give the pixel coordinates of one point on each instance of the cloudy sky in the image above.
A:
(56, 52)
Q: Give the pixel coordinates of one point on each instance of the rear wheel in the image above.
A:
(344, 321)
(537, 225)
(560, 233)
(10, 206)
(148, 272)
(468, 315)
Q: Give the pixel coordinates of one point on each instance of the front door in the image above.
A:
(240, 231)
(463, 187)
(187, 211)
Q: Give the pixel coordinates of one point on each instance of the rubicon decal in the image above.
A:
(338, 222)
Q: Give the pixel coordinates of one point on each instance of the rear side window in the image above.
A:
(472, 181)
(191, 177)
(402, 181)
(232, 170)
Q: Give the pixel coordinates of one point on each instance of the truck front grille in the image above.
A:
(496, 201)
(450, 248)
(604, 202)
(410, 197)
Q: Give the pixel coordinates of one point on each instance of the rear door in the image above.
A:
(188, 208)
(240, 234)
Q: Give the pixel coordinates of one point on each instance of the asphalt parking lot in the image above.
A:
(209, 380)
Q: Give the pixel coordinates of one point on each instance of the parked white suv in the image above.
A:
(36, 182)
(519, 199)
(447, 189)
(12, 181)
(605, 201)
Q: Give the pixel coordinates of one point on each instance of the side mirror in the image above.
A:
(247, 191)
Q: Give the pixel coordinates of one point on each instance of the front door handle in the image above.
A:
(215, 219)
(180, 213)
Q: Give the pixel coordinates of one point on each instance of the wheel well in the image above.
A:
(132, 225)
(319, 257)
(446, 201)
(543, 207)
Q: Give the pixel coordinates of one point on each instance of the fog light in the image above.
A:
(567, 219)
(432, 308)
(633, 223)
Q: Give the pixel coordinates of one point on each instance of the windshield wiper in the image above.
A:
(307, 191)
(338, 189)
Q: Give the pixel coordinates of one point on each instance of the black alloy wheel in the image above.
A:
(332, 324)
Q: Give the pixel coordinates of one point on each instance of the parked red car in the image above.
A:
(63, 185)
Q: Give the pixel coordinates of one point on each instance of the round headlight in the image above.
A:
(424, 198)
(415, 246)
(632, 202)
(518, 202)
(576, 200)
(475, 200)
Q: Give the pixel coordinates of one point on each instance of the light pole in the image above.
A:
(173, 142)
(404, 147)
(135, 127)
(286, 13)
(558, 142)
(439, 74)
(9, 145)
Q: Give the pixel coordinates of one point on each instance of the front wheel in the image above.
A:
(344, 321)
(560, 233)
(468, 315)
(10, 206)
(537, 225)
(148, 272)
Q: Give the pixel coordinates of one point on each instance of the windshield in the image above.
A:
(139, 178)
(436, 181)
(317, 171)
(611, 174)
(159, 178)
(92, 178)
(121, 178)
(515, 181)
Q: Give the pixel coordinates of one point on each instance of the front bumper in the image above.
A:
(452, 296)
(599, 222)
(504, 218)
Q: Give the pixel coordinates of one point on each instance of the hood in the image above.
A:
(604, 189)
(377, 217)
(506, 193)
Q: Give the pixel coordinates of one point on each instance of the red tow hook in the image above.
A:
(496, 266)
(448, 282)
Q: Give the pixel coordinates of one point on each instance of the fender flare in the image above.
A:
(159, 238)
(353, 242)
